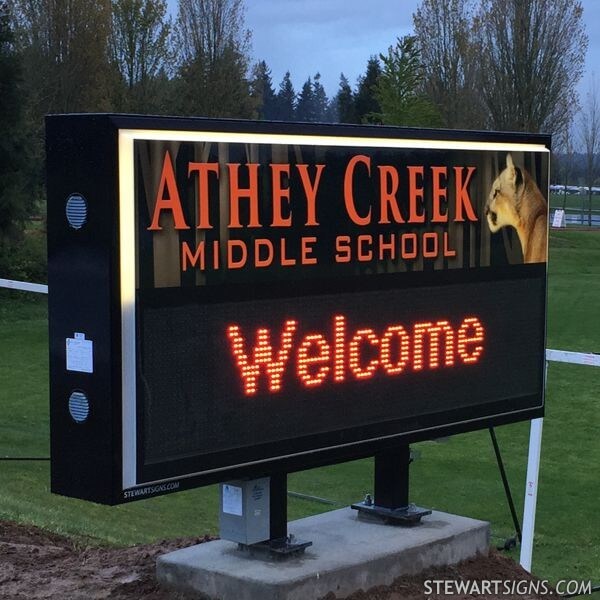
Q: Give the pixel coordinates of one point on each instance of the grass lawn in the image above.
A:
(458, 475)
(574, 201)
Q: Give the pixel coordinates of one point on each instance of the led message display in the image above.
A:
(266, 297)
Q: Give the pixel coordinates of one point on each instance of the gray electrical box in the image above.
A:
(244, 514)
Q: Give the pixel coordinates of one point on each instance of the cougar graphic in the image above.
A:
(516, 201)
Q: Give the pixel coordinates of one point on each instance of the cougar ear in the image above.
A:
(515, 174)
(518, 178)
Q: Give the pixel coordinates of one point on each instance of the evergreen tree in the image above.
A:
(344, 102)
(306, 109)
(365, 101)
(13, 204)
(398, 88)
(320, 101)
(227, 90)
(64, 48)
(262, 92)
(286, 99)
(332, 115)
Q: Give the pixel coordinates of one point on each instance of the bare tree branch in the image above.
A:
(532, 56)
(589, 134)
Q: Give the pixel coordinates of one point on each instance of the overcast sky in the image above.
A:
(326, 36)
(335, 36)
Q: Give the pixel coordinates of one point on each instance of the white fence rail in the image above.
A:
(575, 358)
(577, 216)
(24, 286)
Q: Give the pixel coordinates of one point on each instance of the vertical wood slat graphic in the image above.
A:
(165, 243)
(201, 154)
(489, 168)
(223, 200)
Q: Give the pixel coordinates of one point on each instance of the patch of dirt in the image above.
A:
(35, 564)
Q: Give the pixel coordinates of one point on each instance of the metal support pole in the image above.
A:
(391, 486)
(279, 544)
(392, 478)
(511, 504)
(278, 506)
(531, 489)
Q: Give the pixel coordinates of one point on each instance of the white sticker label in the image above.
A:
(232, 500)
(80, 354)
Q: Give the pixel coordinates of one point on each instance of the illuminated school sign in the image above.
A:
(234, 298)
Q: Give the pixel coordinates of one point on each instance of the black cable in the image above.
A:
(312, 498)
(24, 458)
(509, 498)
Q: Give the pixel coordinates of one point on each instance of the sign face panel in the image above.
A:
(282, 296)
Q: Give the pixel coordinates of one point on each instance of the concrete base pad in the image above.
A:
(348, 553)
